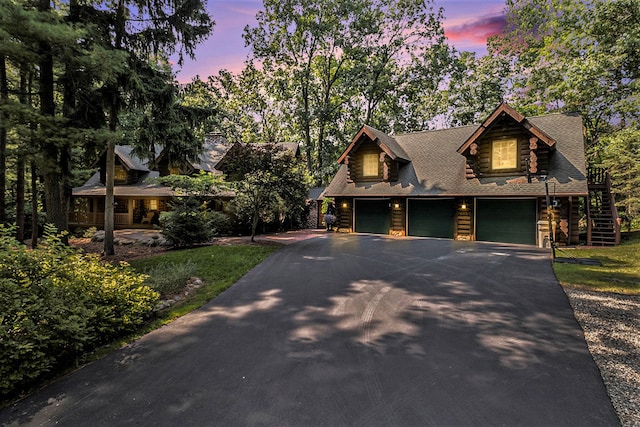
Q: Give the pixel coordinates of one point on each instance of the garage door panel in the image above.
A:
(509, 221)
(431, 218)
(373, 216)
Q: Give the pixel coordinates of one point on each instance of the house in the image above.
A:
(487, 182)
(138, 200)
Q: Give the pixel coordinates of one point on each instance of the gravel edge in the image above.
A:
(611, 325)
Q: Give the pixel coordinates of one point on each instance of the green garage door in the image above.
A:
(373, 216)
(509, 221)
(431, 218)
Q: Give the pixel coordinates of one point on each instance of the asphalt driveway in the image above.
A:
(353, 330)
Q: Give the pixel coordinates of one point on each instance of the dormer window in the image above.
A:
(119, 173)
(504, 154)
(370, 165)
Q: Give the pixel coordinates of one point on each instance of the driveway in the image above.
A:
(353, 330)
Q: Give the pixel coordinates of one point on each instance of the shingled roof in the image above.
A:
(437, 169)
(387, 143)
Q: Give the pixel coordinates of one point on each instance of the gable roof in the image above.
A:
(387, 143)
(505, 110)
(130, 160)
(437, 169)
(213, 150)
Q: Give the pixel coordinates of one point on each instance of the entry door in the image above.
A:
(431, 218)
(509, 221)
(373, 216)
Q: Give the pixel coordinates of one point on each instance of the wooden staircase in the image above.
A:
(603, 224)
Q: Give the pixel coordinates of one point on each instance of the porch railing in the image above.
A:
(97, 218)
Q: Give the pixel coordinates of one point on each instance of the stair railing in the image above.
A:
(614, 209)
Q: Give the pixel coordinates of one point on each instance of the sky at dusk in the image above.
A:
(467, 25)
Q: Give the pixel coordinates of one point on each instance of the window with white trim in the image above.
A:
(504, 154)
(370, 164)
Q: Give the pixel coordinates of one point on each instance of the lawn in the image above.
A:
(619, 272)
(218, 266)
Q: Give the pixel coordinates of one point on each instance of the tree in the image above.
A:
(621, 157)
(270, 183)
(572, 55)
(334, 64)
(144, 31)
(476, 87)
(402, 62)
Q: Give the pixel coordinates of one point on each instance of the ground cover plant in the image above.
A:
(218, 266)
(619, 272)
(58, 304)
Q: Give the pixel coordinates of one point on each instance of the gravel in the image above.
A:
(611, 325)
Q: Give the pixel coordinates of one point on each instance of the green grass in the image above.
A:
(218, 266)
(620, 270)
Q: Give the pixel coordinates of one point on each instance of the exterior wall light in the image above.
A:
(464, 206)
(345, 205)
(396, 205)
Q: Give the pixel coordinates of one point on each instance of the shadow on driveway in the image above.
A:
(354, 330)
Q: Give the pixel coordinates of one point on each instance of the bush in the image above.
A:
(220, 223)
(57, 304)
(186, 224)
(169, 277)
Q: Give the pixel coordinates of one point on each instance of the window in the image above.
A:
(370, 164)
(175, 170)
(119, 174)
(504, 154)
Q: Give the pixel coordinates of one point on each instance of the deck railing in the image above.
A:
(596, 175)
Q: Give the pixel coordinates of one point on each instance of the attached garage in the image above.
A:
(431, 218)
(373, 216)
(509, 221)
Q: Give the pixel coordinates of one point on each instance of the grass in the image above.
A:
(218, 266)
(619, 272)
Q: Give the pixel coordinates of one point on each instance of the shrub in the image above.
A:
(186, 224)
(169, 277)
(220, 223)
(56, 304)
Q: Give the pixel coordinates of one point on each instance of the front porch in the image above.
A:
(129, 212)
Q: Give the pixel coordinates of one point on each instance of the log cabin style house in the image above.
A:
(138, 200)
(487, 182)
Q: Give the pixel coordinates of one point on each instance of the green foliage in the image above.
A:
(190, 222)
(202, 185)
(56, 304)
(331, 65)
(273, 187)
(220, 223)
(169, 277)
(571, 55)
(621, 157)
(186, 223)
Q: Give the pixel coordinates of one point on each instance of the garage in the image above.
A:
(431, 218)
(373, 216)
(509, 221)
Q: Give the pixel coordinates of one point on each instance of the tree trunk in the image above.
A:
(4, 122)
(109, 201)
(55, 159)
(20, 199)
(34, 205)
(20, 167)
(254, 225)
(114, 109)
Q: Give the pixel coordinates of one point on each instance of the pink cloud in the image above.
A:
(476, 31)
